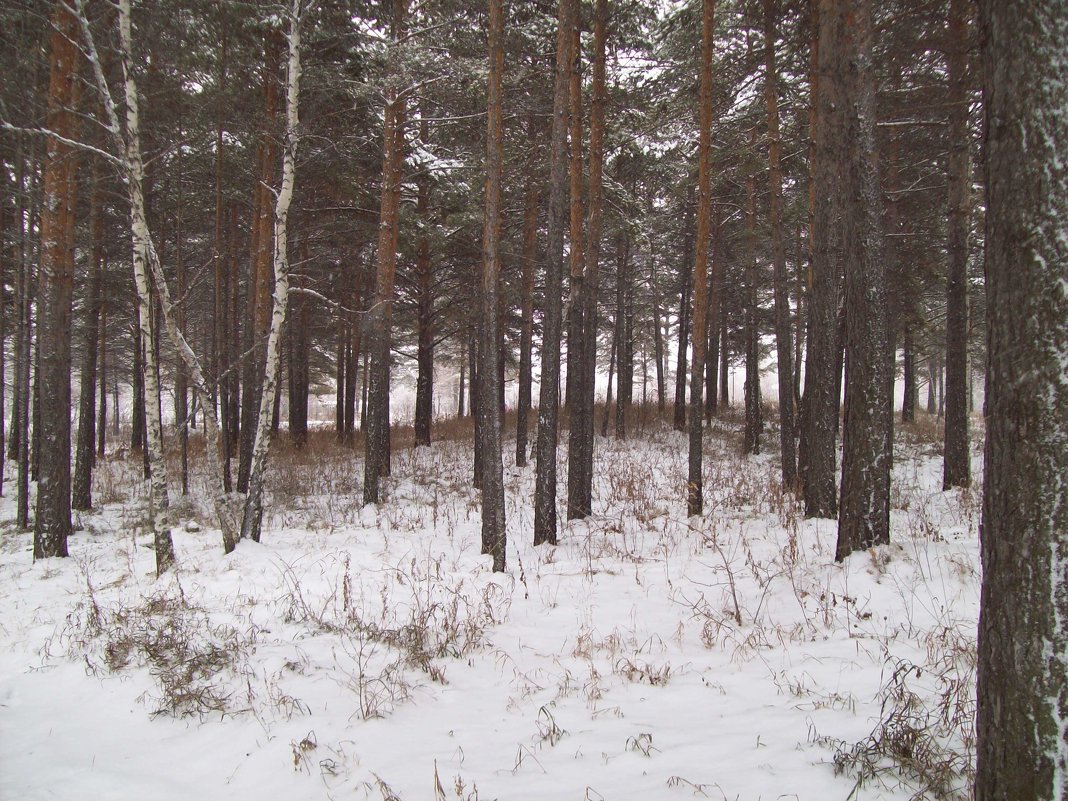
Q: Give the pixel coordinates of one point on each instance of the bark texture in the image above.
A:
(493, 520)
(545, 515)
(783, 331)
(695, 480)
(1022, 716)
(864, 513)
(580, 445)
(820, 405)
(957, 458)
(378, 321)
(52, 522)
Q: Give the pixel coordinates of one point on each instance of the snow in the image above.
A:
(371, 653)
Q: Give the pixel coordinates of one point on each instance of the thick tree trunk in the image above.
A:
(580, 446)
(258, 301)
(549, 401)
(819, 424)
(146, 260)
(864, 514)
(695, 480)
(957, 457)
(1022, 714)
(252, 518)
(378, 322)
(493, 521)
(52, 523)
(783, 332)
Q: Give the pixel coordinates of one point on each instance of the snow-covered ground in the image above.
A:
(371, 653)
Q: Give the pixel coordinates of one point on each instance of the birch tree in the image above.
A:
(253, 512)
(127, 159)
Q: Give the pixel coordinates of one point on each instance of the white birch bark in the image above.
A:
(159, 502)
(128, 147)
(253, 512)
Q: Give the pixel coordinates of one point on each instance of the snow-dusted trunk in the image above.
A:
(128, 160)
(695, 480)
(957, 455)
(783, 333)
(253, 513)
(52, 522)
(864, 511)
(378, 322)
(158, 497)
(84, 459)
(1022, 715)
(580, 443)
(493, 519)
(817, 450)
(526, 336)
(754, 418)
(549, 407)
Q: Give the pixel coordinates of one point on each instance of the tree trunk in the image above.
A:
(624, 338)
(378, 322)
(580, 446)
(908, 369)
(658, 335)
(1022, 712)
(695, 480)
(424, 383)
(526, 336)
(575, 250)
(864, 514)
(22, 440)
(102, 377)
(783, 333)
(181, 382)
(715, 313)
(957, 457)
(52, 523)
(608, 390)
(221, 330)
(145, 256)
(252, 518)
(82, 485)
(493, 521)
(549, 400)
(258, 302)
(754, 417)
(819, 422)
(685, 275)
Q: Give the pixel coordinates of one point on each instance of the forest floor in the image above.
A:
(371, 653)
